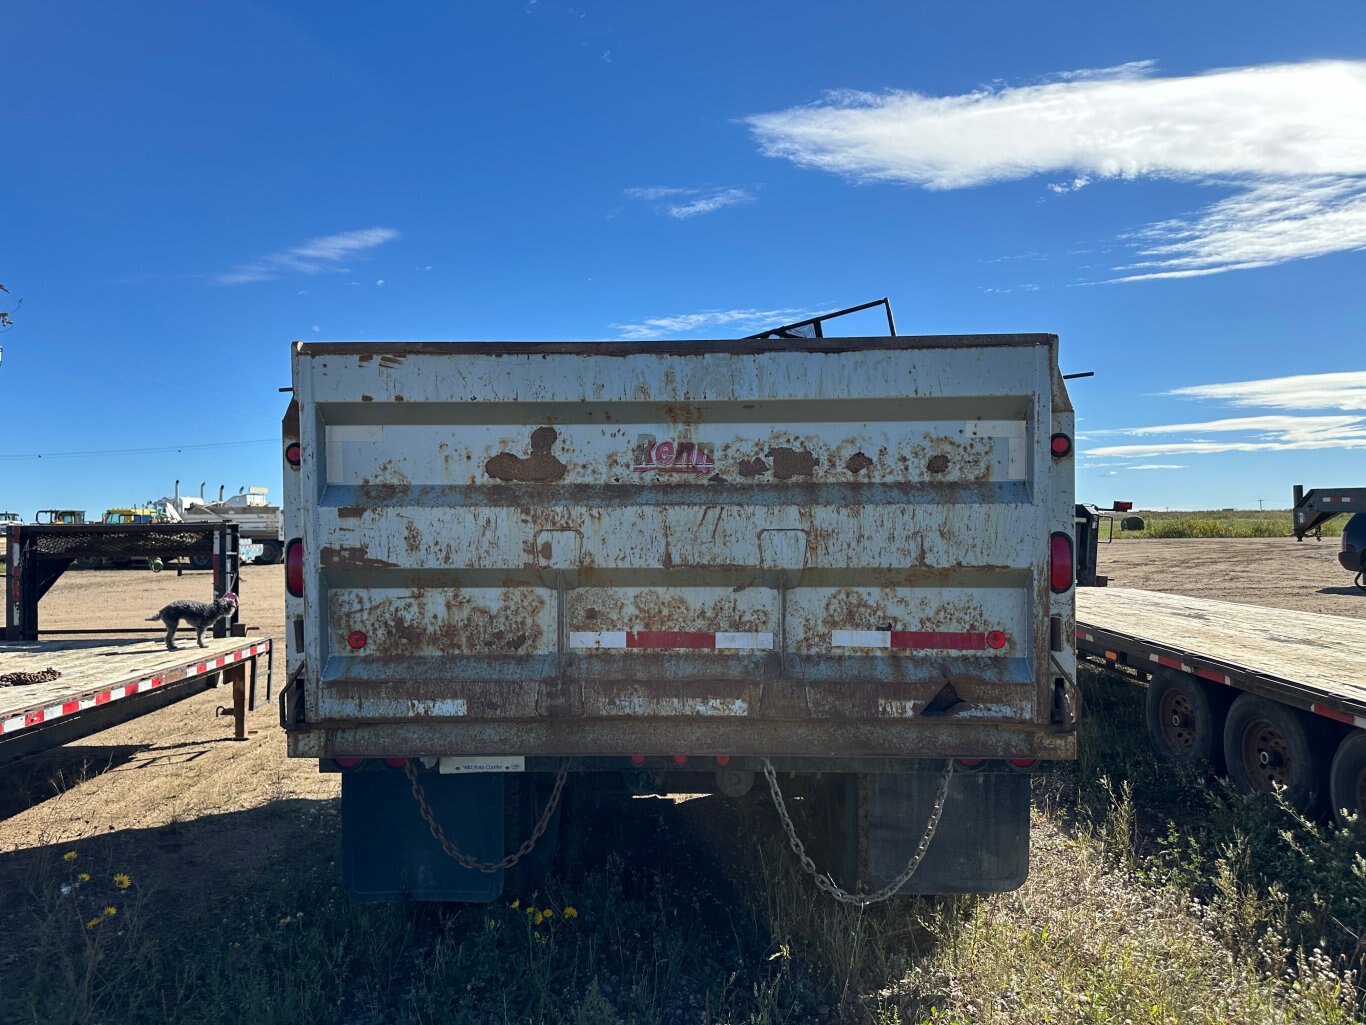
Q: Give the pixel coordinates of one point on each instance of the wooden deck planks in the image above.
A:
(90, 665)
(1322, 652)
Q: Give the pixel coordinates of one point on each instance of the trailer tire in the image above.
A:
(1347, 778)
(201, 562)
(1266, 743)
(271, 551)
(1186, 719)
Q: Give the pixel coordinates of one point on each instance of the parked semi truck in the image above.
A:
(839, 567)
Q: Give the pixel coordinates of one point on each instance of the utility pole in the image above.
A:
(1259, 502)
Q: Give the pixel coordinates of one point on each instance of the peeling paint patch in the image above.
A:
(643, 706)
(541, 467)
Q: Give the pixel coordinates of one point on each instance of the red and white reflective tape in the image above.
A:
(1083, 635)
(38, 716)
(1332, 713)
(940, 640)
(664, 639)
(1212, 675)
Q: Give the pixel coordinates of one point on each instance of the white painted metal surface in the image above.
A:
(669, 535)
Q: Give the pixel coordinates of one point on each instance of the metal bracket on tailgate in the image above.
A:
(292, 703)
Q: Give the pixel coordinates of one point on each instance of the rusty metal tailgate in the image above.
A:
(598, 548)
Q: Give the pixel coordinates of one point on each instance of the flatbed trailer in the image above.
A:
(1276, 697)
(103, 683)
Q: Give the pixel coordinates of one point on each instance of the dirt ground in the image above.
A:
(173, 796)
(1276, 572)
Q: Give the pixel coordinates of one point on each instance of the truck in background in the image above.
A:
(259, 522)
(843, 566)
(1317, 506)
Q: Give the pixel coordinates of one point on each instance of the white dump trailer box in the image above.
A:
(840, 554)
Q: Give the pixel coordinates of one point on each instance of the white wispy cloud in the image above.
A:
(1287, 140)
(1273, 433)
(682, 202)
(1157, 466)
(312, 257)
(735, 322)
(1342, 390)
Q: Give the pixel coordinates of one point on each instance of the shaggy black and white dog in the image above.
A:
(199, 614)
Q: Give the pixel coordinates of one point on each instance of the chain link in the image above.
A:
(827, 884)
(460, 857)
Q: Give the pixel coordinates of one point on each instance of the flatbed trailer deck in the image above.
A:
(106, 682)
(1303, 722)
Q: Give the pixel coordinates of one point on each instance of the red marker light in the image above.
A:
(1023, 763)
(680, 759)
(293, 453)
(996, 639)
(1060, 573)
(637, 759)
(1060, 444)
(971, 763)
(356, 639)
(723, 760)
(396, 763)
(294, 568)
(348, 763)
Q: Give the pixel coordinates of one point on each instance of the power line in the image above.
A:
(139, 451)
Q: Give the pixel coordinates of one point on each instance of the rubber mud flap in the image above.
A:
(982, 845)
(388, 853)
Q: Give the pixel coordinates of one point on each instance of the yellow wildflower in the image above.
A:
(548, 914)
(571, 912)
(83, 877)
(284, 921)
(123, 880)
(93, 922)
(516, 904)
(537, 918)
(69, 856)
(110, 911)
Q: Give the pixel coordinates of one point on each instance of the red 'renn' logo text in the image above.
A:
(672, 457)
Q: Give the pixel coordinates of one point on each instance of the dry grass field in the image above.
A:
(160, 872)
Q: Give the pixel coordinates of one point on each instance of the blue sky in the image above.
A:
(1177, 190)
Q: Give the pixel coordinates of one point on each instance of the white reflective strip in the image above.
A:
(55, 712)
(601, 639)
(744, 640)
(861, 639)
(10, 725)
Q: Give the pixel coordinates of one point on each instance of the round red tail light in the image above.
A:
(680, 759)
(1022, 763)
(396, 763)
(996, 639)
(356, 639)
(293, 453)
(348, 763)
(1060, 444)
(637, 759)
(723, 760)
(971, 763)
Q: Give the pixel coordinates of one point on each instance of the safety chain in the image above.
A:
(459, 856)
(824, 881)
